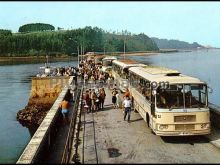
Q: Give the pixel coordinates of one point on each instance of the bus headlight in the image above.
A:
(163, 126)
(205, 126)
(125, 83)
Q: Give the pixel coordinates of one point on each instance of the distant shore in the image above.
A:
(35, 58)
(66, 57)
(138, 54)
(149, 53)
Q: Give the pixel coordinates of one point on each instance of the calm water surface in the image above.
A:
(15, 86)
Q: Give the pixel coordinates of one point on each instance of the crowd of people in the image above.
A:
(58, 71)
(88, 70)
(94, 98)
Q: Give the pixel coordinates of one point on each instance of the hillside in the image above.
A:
(69, 42)
(175, 44)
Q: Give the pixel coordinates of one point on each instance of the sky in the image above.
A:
(186, 21)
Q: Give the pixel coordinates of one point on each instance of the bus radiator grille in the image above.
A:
(185, 118)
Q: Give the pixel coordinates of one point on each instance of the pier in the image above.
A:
(104, 136)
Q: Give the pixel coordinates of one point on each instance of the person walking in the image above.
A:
(109, 82)
(127, 108)
(93, 100)
(88, 101)
(102, 97)
(114, 98)
(127, 93)
(117, 101)
(97, 101)
(64, 110)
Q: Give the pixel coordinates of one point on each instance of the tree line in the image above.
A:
(175, 44)
(70, 42)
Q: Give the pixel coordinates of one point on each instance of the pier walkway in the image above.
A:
(104, 137)
(105, 134)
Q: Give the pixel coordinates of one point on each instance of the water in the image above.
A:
(15, 86)
(202, 64)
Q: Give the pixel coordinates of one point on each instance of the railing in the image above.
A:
(42, 138)
(70, 136)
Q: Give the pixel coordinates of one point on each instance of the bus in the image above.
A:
(107, 63)
(172, 104)
(120, 72)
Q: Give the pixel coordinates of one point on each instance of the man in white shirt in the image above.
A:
(127, 108)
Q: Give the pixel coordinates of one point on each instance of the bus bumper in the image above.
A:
(183, 133)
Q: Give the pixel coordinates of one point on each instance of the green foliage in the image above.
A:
(71, 41)
(5, 33)
(35, 27)
(174, 44)
(140, 42)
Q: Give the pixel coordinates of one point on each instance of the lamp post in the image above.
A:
(77, 49)
(124, 47)
(104, 46)
(78, 55)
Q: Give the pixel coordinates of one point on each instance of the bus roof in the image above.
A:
(162, 74)
(110, 58)
(126, 63)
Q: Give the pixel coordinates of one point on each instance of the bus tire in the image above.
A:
(132, 101)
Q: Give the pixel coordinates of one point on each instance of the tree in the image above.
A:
(35, 27)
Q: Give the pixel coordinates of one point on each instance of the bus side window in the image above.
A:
(147, 94)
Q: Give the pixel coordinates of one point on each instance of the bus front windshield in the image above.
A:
(182, 96)
(124, 73)
(107, 63)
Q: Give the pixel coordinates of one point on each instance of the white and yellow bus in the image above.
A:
(107, 63)
(171, 103)
(120, 72)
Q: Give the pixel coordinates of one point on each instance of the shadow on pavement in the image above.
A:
(185, 139)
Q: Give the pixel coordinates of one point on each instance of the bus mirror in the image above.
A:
(210, 90)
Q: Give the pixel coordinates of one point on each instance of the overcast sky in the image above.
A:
(186, 21)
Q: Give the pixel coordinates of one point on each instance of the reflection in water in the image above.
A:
(26, 79)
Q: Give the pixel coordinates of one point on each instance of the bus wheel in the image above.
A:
(132, 100)
(147, 119)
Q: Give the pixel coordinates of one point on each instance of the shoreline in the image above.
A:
(139, 54)
(33, 58)
(66, 57)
